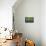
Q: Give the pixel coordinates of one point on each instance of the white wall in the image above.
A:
(28, 8)
(43, 22)
(6, 13)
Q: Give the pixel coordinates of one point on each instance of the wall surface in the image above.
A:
(43, 22)
(29, 8)
(6, 13)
